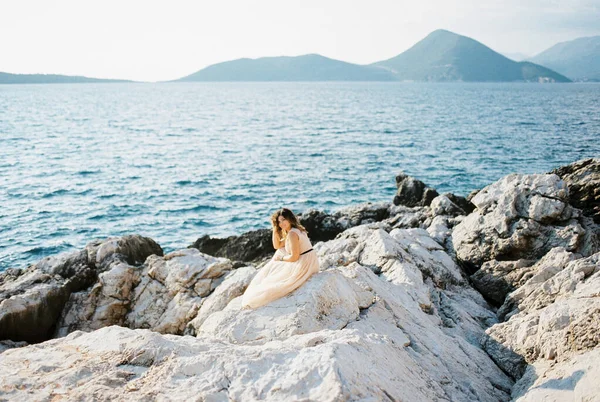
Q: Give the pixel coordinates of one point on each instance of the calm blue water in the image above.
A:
(177, 161)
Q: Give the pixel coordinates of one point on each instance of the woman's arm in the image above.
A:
(277, 241)
(295, 245)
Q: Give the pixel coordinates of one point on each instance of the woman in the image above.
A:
(293, 263)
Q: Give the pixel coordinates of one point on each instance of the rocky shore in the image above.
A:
(495, 297)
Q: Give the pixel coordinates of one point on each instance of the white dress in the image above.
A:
(279, 278)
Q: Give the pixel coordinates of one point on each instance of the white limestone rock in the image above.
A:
(423, 359)
(558, 275)
(556, 319)
(572, 380)
(328, 300)
(106, 303)
(234, 285)
(32, 300)
(496, 279)
(522, 217)
(438, 229)
(169, 296)
(442, 205)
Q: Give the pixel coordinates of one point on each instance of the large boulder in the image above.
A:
(32, 299)
(583, 180)
(522, 217)
(496, 279)
(554, 316)
(164, 294)
(328, 300)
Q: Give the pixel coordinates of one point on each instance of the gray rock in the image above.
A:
(555, 314)
(412, 192)
(572, 380)
(496, 279)
(522, 217)
(583, 180)
(32, 300)
(442, 205)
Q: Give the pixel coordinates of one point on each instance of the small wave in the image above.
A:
(197, 208)
(55, 193)
(40, 251)
(239, 198)
(526, 123)
(84, 192)
(184, 183)
(196, 222)
(88, 172)
(308, 202)
(190, 130)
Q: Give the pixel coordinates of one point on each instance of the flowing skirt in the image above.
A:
(279, 278)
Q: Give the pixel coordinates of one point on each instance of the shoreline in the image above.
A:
(506, 279)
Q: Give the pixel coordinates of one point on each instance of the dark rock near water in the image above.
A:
(583, 180)
(250, 246)
(465, 204)
(412, 192)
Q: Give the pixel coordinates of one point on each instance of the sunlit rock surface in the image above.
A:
(393, 314)
(401, 304)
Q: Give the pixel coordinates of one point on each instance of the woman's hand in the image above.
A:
(276, 238)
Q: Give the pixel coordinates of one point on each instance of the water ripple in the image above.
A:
(177, 161)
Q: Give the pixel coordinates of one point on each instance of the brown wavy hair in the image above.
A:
(290, 217)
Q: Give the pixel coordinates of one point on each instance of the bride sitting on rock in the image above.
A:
(293, 263)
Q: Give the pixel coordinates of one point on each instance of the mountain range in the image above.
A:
(578, 59)
(7, 78)
(442, 56)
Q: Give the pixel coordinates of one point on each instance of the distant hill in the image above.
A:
(446, 56)
(578, 59)
(7, 78)
(310, 67)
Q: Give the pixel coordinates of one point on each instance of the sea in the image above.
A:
(176, 161)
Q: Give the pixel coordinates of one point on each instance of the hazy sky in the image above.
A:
(162, 40)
